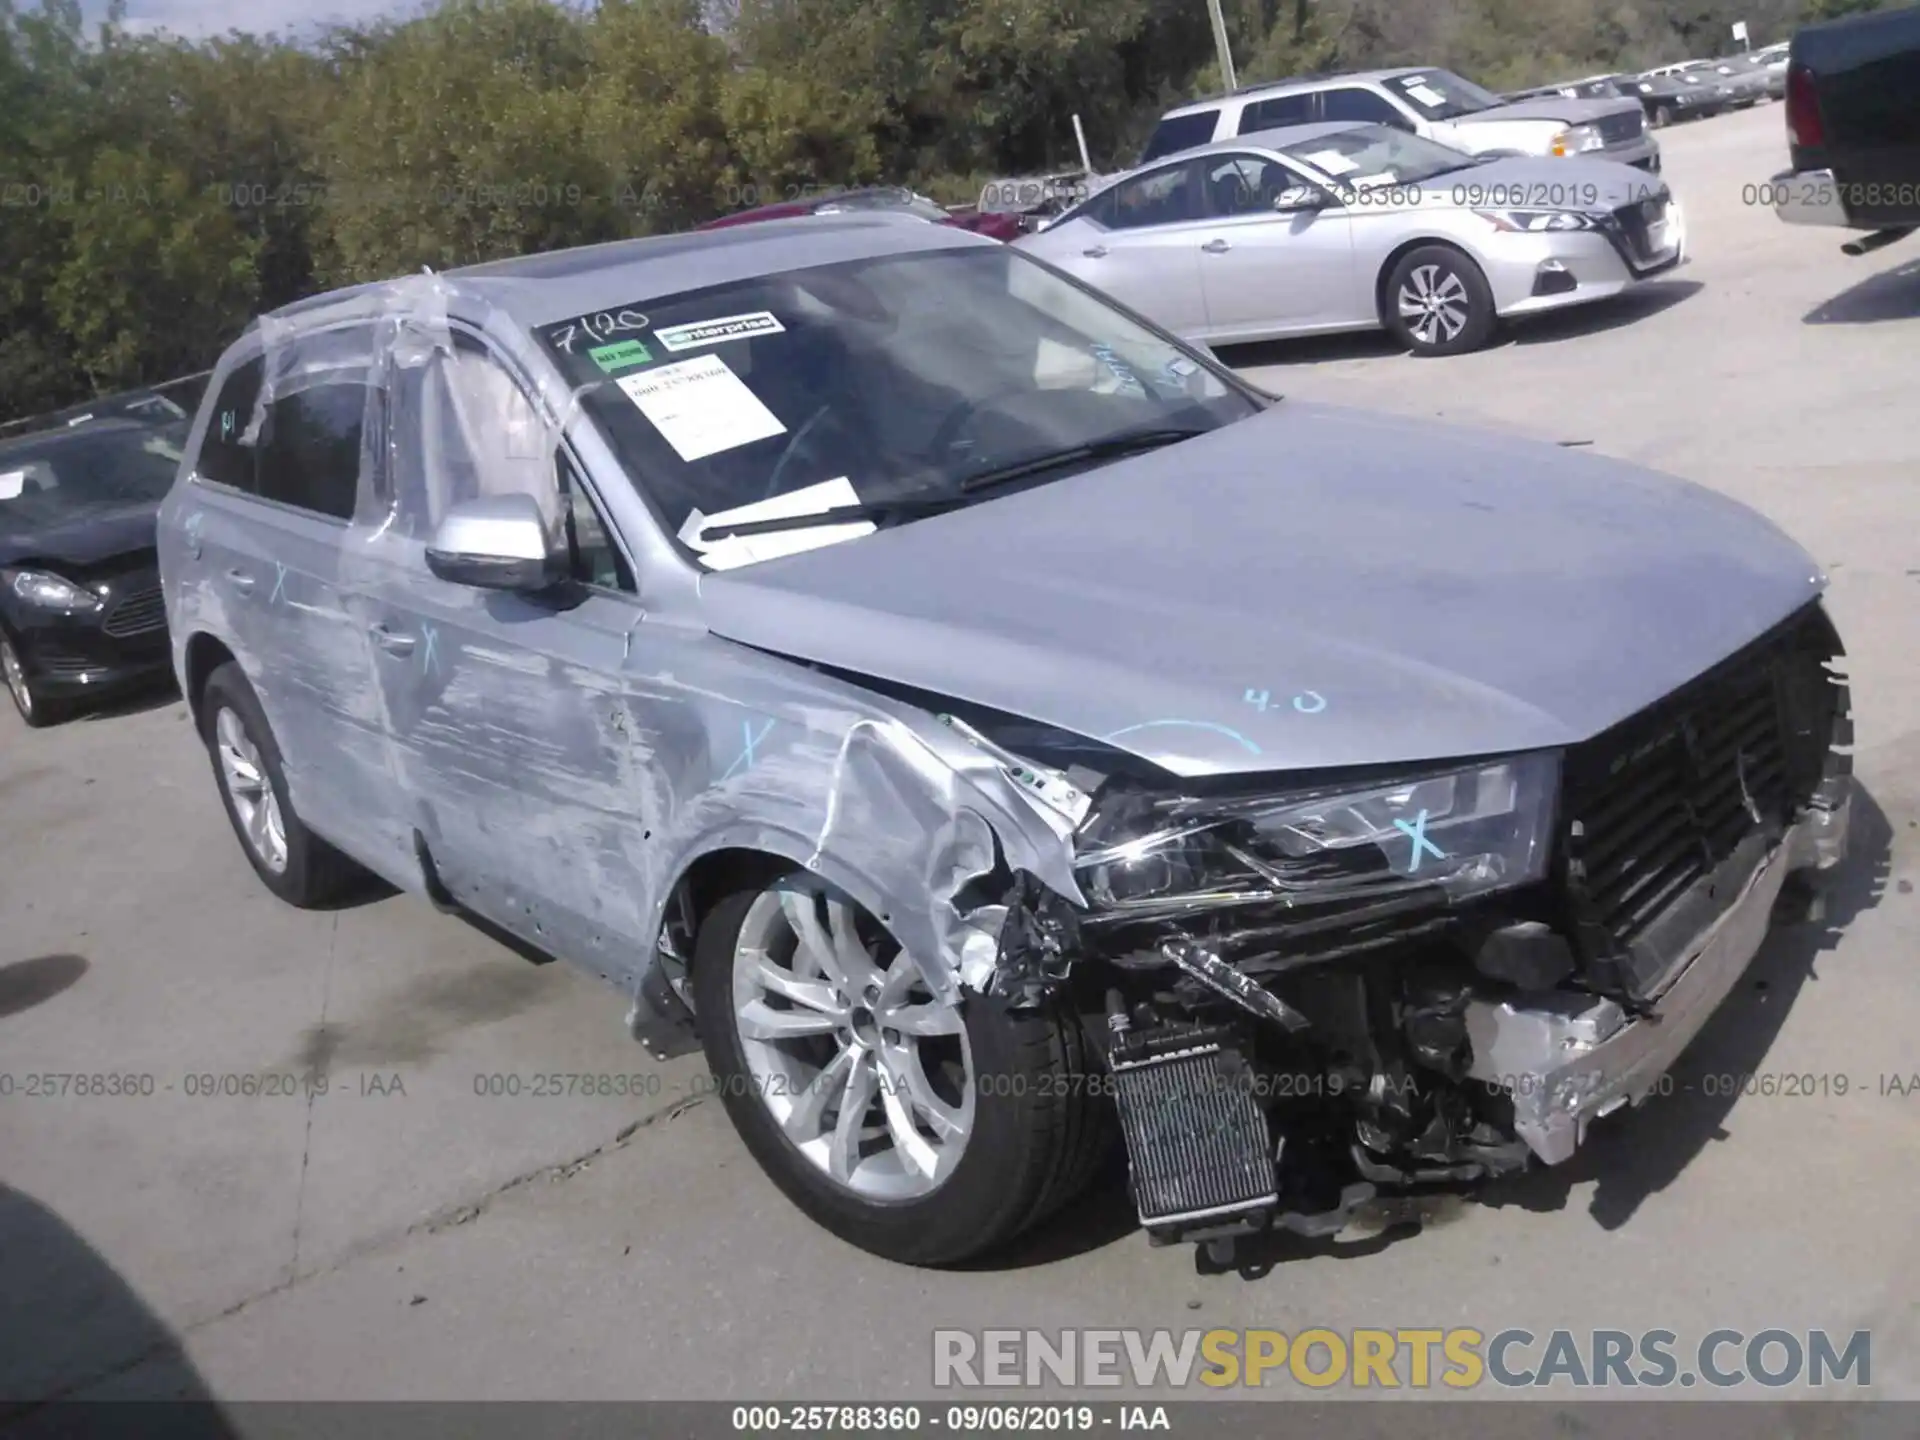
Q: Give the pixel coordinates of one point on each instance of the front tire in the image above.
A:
(1437, 302)
(1662, 117)
(921, 1132)
(291, 861)
(35, 709)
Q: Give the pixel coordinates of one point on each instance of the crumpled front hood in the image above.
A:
(1313, 587)
(77, 536)
(1566, 109)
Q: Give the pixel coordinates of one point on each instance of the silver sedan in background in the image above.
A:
(1320, 228)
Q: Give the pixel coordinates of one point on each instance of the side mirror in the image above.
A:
(497, 542)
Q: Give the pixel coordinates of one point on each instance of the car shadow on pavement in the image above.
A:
(1555, 325)
(1642, 1151)
(134, 702)
(27, 983)
(1889, 295)
(1630, 308)
(72, 1322)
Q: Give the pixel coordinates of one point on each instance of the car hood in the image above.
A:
(79, 537)
(1587, 184)
(1549, 107)
(1313, 587)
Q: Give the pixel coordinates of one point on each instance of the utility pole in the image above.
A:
(1220, 44)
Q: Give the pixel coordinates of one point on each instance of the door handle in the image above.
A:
(1094, 252)
(1216, 247)
(242, 581)
(394, 642)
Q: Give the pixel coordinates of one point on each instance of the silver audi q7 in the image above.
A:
(992, 728)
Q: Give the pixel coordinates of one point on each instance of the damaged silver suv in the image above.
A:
(992, 728)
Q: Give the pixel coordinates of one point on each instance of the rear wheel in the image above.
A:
(34, 708)
(291, 861)
(1438, 303)
(920, 1131)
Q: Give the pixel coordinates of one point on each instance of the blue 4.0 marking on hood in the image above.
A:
(1446, 592)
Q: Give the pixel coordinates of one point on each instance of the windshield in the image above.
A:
(1377, 155)
(910, 379)
(1441, 94)
(55, 477)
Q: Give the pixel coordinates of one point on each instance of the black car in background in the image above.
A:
(80, 609)
(1669, 99)
(171, 400)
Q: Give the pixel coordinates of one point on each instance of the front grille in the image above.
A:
(57, 664)
(1628, 226)
(140, 609)
(1656, 804)
(1619, 129)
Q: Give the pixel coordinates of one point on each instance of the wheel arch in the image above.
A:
(204, 653)
(1406, 248)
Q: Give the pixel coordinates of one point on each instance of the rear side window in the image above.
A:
(223, 459)
(310, 448)
(1362, 105)
(1272, 114)
(1164, 197)
(1180, 132)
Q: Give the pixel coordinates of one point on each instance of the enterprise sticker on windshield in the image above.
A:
(700, 406)
(712, 332)
(13, 484)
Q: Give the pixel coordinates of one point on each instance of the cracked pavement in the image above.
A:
(407, 1236)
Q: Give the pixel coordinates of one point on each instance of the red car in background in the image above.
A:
(997, 227)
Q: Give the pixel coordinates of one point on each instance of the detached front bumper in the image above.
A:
(1567, 1060)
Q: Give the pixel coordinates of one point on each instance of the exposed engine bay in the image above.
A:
(1310, 998)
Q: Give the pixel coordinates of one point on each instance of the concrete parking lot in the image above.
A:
(406, 1236)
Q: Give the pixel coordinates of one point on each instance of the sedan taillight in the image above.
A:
(1804, 129)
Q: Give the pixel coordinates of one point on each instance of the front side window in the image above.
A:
(51, 479)
(1442, 95)
(881, 390)
(1247, 185)
(1180, 132)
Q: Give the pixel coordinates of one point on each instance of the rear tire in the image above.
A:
(291, 861)
(1437, 302)
(1035, 1130)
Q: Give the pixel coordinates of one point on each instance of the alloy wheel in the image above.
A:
(866, 1073)
(16, 674)
(250, 790)
(1435, 304)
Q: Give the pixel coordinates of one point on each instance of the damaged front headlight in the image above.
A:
(1466, 830)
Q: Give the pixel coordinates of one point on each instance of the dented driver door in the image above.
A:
(504, 711)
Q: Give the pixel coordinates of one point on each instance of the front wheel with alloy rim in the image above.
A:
(290, 859)
(34, 709)
(1438, 303)
(1662, 117)
(921, 1130)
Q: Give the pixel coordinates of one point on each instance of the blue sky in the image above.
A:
(196, 18)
